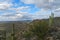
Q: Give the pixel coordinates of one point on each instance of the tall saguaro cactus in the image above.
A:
(13, 33)
(51, 19)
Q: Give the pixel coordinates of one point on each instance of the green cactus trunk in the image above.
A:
(13, 33)
(51, 19)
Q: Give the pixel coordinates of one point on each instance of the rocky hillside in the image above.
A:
(20, 27)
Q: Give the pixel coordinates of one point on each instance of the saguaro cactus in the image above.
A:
(13, 33)
(51, 19)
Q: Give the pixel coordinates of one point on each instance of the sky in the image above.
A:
(16, 10)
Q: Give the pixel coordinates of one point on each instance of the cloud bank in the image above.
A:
(8, 11)
(48, 4)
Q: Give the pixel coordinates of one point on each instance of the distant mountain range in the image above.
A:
(55, 18)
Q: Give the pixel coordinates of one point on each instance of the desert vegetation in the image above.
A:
(32, 30)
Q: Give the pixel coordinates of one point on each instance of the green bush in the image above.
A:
(38, 28)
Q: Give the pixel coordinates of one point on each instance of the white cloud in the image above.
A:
(10, 17)
(53, 5)
(11, 13)
(4, 5)
(17, 14)
(51, 0)
(28, 1)
(49, 4)
(18, 9)
(14, 16)
(42, 14)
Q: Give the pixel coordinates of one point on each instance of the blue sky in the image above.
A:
(14, 10)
